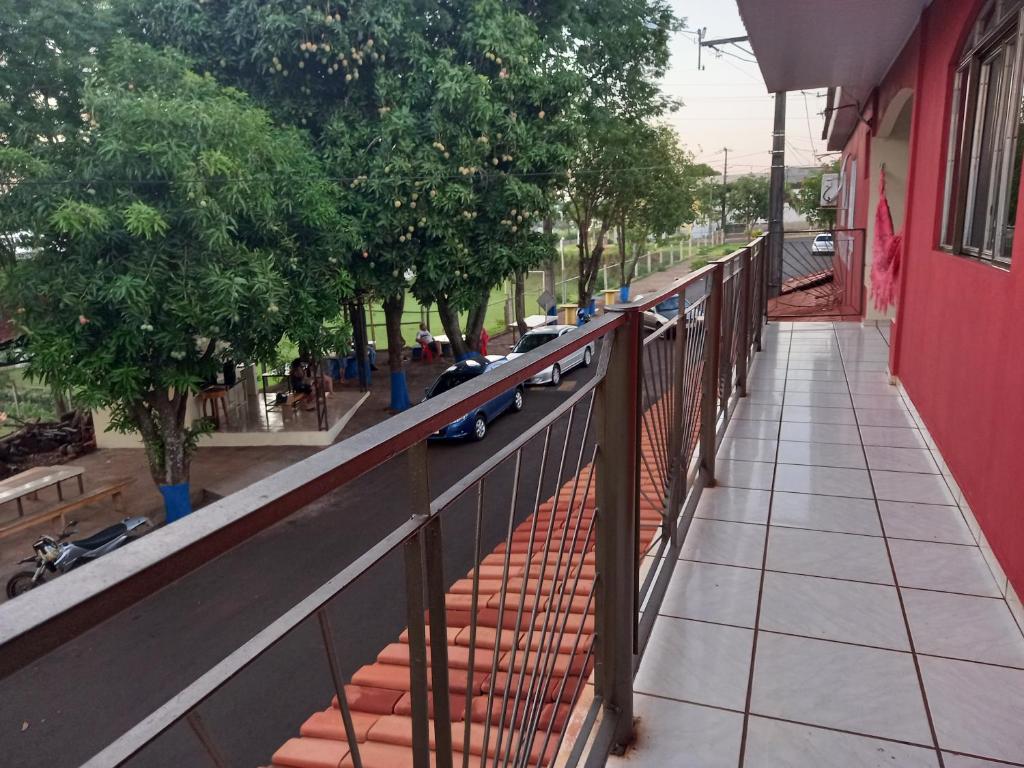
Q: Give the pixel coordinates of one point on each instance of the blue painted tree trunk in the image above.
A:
(624, 294)
(399, 391)
(177, 501)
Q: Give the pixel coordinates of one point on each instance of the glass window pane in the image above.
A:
(1014, 184)
(985, 138)
(952, 158)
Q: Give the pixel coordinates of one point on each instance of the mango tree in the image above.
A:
(173, 240)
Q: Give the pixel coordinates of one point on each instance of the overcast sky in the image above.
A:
(726, 104)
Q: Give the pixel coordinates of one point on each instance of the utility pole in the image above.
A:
(776, 196)
(725, 186)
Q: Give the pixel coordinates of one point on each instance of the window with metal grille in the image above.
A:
(986, 139)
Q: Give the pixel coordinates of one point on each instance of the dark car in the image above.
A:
(474, 424)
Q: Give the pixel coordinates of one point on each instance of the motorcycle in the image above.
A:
(57, 556)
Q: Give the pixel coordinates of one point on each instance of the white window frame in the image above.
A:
(1004, 33)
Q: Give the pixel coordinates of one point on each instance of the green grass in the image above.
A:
(495, 320)
(23, 399)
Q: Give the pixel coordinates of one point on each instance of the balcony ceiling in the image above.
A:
(804, 44)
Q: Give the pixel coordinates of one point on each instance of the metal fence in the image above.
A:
(564, 553)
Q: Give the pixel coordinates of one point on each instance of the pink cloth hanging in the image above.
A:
(886, 254)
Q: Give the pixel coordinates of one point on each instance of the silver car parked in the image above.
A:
(538, 337)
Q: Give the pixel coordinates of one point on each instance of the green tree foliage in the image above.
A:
(655, 195)
(748, 199)
(48, 49)
(442, 128)
(805, 198)
(620, 51)
(173, 239)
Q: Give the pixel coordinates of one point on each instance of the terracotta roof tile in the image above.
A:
(329, 725)
(311, 753)
(550, 560)
(456, 705)
(377, 701)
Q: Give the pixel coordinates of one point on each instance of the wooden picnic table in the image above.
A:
(31, 481)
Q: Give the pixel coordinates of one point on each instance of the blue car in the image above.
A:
(669, 308)
(474, 424)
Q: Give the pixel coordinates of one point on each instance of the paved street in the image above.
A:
(83, 696)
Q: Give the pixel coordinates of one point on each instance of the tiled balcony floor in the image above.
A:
(831, 606)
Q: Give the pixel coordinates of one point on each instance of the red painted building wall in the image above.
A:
(958, 343)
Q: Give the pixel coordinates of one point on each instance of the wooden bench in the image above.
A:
(112, 491)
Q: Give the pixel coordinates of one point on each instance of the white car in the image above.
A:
(823, 244)
(538, 337)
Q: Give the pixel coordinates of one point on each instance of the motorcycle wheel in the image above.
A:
(20, 583)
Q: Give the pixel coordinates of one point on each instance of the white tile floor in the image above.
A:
(831, 608)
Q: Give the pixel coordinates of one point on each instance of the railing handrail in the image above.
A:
(46, 618)
(43, 619)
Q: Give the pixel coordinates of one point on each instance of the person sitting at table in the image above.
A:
(299, 381)
(426, 342)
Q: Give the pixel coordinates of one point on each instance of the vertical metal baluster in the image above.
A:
(709, 397)
(551, 647)
(543, 644)
(618, 467)
(525, 585)
(434, 561)
(471, 665)
(677, 491)
(743, 350)
(501, 610)
(339, 686)
(415, 608)
(413, 551)
(195, 722)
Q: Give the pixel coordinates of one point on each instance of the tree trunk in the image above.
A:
(475, 323)
(177, 461)
(161, 422)
(590, 264)
(394, 306)
(60, 402)
(620, 236)
(357, 315)
(393, 309)
(452, 327)
(520, 302)
(551, 265)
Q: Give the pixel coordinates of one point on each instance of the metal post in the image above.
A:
(618, 494)
(777, 196)
(743, 348)
(415, 610)
(759, 309)
(709, 397)
(434, 562)
(725, 189)
(417, 652)
(677, 488)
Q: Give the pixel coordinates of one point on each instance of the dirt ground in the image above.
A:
(217, 472)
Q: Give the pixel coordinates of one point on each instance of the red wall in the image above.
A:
(959, 338)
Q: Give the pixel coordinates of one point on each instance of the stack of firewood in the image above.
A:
(43, 443)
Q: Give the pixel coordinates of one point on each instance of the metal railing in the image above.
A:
(819, 277)
(499, 658)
